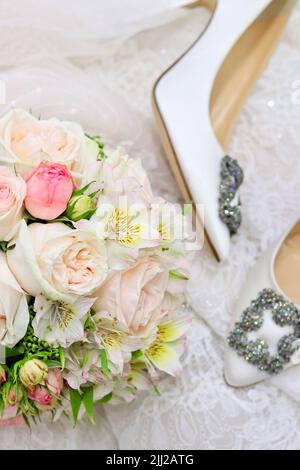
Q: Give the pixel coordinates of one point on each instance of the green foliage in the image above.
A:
(4, 246)
(76, 400)
(88, 402)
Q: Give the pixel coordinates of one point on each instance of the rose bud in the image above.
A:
(2, 375)
(33, 372)
(41, 395)
(80, 207)
(12, 394)
(54, 381)
(49, 188)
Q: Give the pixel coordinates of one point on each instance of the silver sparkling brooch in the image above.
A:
(232, 176)
(256, 352)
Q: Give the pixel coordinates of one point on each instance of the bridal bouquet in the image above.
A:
(93, 271)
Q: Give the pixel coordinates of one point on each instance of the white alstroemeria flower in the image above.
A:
(82, 365)
(126, 230)
(14, 315)
(56, 261)
(115, 341)
(164, 353)
(60, 323)
(26, 141)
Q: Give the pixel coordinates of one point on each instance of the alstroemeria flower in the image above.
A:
(83, 365)
(117, 344)
(126, 230)
(58, 322)
(166, 350)
(124, 388)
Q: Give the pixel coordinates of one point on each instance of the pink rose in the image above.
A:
(49, 189)
(135, 296)
(52, 385)
(40, 394)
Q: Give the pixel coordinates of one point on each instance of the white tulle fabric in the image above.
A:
(96, 62)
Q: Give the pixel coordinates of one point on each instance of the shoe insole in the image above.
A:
(287, 265)
(243, 66)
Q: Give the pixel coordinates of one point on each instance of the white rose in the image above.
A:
(14, 315)
(27, 141)
(54, 260)
(12, 194)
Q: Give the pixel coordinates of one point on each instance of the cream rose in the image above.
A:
(12, 194)
(14, 315)
(135, 296)
(57, 261)
(29, 141)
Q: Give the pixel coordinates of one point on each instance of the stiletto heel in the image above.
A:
(199, 98)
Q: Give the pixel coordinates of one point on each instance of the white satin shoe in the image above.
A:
(198, 100)
(265, 338)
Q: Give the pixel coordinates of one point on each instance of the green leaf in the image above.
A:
(156, 390)
(89, 323)
(88, 402)
(3, 246)
(62, 357)
(1, 406)
(104, 363)
(137, 356)
(26, 419)
(105, 399)
(13, 352)
(177, 275)
(80, 192)
(76, 400)
(52, 364)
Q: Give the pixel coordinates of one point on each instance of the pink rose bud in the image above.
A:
(11, 394)
(49, 189)
(54, 381)
(33, 372)
(41, 395)
(2, 375)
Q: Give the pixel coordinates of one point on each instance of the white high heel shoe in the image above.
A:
(198, 100)
(266, 336)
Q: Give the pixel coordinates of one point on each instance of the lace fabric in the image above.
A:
(105, 81)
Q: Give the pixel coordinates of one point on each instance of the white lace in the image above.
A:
(75, 71)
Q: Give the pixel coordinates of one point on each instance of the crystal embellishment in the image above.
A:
(256, 352)
(232, 176)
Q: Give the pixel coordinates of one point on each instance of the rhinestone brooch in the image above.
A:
(232, 176)
(256, 352)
